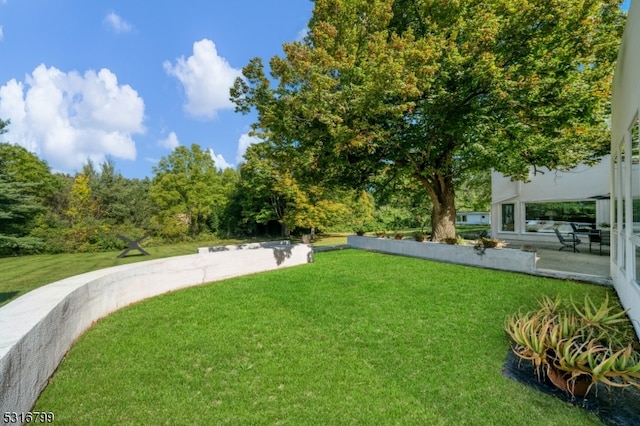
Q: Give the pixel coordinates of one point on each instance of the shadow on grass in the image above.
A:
(7, 296)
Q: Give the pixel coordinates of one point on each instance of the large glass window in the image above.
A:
(508, 217)
(544, 217)
(635, 175)
(622, 211)
(637, 272)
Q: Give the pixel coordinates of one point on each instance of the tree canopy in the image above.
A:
(24, 184)
(438, 90)
(187, 189)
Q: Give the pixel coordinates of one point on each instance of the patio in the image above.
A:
(583, 266)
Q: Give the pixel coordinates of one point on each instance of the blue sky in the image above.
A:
(131, 80)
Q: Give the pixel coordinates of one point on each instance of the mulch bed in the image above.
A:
(619, 407)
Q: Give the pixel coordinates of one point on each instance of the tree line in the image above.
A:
(188, 198)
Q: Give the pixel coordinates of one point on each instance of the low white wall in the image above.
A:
(503, 259)
(37, 329)
(246, 246)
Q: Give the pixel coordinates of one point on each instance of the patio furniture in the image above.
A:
(568, 242)
(600, 237)
(581, 229)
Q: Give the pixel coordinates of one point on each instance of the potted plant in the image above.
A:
(360, 232)
(491, 242)
(381, 234)
(454, 240)
(419, 236)
(484, 243)
(398, 236)
(578, 346)
(450, 240)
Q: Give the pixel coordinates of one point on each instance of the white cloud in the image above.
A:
(206, 78)
(117, 24)
(67, 118)
(221, 163)
(170, 142)
(302, 34)
(243, 143)
(1, 33)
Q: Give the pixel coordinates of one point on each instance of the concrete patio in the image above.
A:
(582, 266)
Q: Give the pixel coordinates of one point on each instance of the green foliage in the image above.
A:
(82, 205)
(24, 182)
(590, 342)
(19, 165)
(437, 92)
(188, 190)
(272, 190)
(473, 192)
(119, 200)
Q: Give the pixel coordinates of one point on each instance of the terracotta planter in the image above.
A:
(578, 387)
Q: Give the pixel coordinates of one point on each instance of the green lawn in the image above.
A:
(22, 274)
(354, 338)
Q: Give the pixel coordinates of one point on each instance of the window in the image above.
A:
(623, 181)
(508, 217)
(544, 217)
(635, 175)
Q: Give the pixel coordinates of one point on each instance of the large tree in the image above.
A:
(436, 90)
(25, 183)
(274, 189)
(187, 189)
(119, 200)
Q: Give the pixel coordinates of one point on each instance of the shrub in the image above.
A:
(574, 344)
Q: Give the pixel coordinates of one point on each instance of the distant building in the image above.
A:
(473, 218)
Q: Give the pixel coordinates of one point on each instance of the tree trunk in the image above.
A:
(443, 216)
(285, 231)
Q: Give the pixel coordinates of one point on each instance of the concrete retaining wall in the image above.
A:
(37, 329)
(246, 246)
(503, 259)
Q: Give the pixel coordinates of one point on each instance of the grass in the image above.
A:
(25, 273)
(354, 338)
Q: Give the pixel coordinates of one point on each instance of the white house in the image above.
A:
(473, 218)
(625, 170)
(551, 199)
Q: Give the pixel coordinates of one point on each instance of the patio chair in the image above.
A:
(596, 236)
(571, 242)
